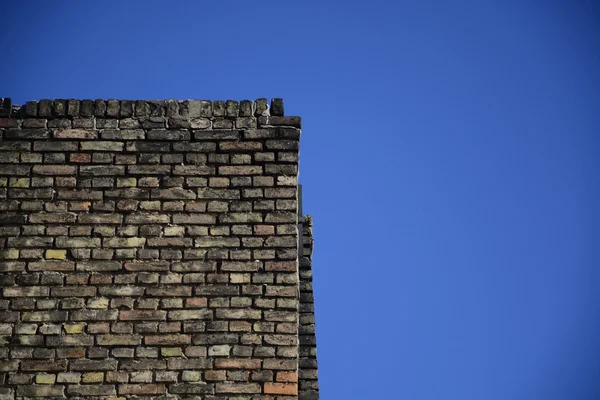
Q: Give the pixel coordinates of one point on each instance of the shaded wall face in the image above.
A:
(149, 249)
(308, 376)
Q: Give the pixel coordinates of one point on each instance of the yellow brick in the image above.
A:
(45, 379)
(126, 182)
(98, 302)
(19, 182)
(93, 377)
(56, 254)
(13, 254)
(74, 328)
(240, 278)
(171, 352)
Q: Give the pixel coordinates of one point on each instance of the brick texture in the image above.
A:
(150, 249)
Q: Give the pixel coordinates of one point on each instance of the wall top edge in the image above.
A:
(114, 108)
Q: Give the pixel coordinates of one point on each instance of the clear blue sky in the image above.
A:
(450, 157)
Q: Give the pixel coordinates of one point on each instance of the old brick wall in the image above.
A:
(149, 248)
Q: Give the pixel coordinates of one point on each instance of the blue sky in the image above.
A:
(450, 157)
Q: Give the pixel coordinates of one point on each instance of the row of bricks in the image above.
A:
(192, 158)
(217, 124)
(193, 271)
(118, 170)
(169, 306)
(200, 129)
(153, 389)
(273, 206)
(108, 231)
(73, 352)
(153, 123)
(149, 320)
(289, 339)
(46, 378)
(218, 128)
(213, 128)
(143, 108)
(223, 219)
(153, 182)
(165, 291)
(143, 254)
(143, 326)
(145, 194)
(76, 242)
(170, 363)
(280, 322)
(182, 138)
(145, 306)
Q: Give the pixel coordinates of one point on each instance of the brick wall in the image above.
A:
(150, 248)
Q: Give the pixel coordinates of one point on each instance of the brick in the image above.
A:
(186, 388)
(143, 219)
(75, 134)
(68, 377)
(94, 315)
(237, 363)
(6, 366)
(69, 341)
(147, 266)
(41, 391)
(142, 315)
(141, 389)
(102, 146)
(173, 194)
(121, 291)
(31, 291)
(167, 340)
(281, 388)
(80, 242)
(84, 291)
(55, 254)
(119, 340)
(240, 170)
(93, 365)
(92, 377)
(13, 133)
(123, 134)
(74, 328)
(98, 266)
(79, 195)
(190, 364)
(234, 388)
(185, 315)
(102, 170)
(43, 365)
(173, 291)
(91, 390)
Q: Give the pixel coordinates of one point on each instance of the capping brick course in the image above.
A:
(149, 249)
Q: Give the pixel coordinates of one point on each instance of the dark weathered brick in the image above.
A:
(27, 134)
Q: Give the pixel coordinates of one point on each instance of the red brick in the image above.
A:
(281, 388)
(238, 363)
(168, 340)
(287, 377)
